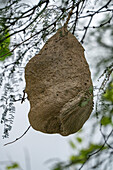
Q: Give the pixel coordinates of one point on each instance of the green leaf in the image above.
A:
(79, 139)
(13, 166)
(72, 144)
(108, 95)
(79, 159)
(4, 46)
(92, 147)
(84, 103)
(106, 121)
(91, 89)
(57, 168)
(84, 153)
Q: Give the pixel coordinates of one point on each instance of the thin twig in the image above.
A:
(91, 17)
(26, 12)
(76, 19)
(86, 29)
(104, 137)
(23, 98)
(26, 26)
(32, 36)
(18, 137)
(94, 153)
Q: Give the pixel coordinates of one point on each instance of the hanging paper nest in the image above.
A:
(59, 86)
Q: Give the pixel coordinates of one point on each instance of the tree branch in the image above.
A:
(18, 137)
(92, 154)
(32, 36)
(14, 33)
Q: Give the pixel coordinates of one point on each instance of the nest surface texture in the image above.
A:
(58, 84)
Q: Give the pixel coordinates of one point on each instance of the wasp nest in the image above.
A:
(58, 84)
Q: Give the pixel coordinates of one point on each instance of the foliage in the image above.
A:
(13, 166)
(108, 95)
(4, 46)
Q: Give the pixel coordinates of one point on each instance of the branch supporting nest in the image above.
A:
(69, 16)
